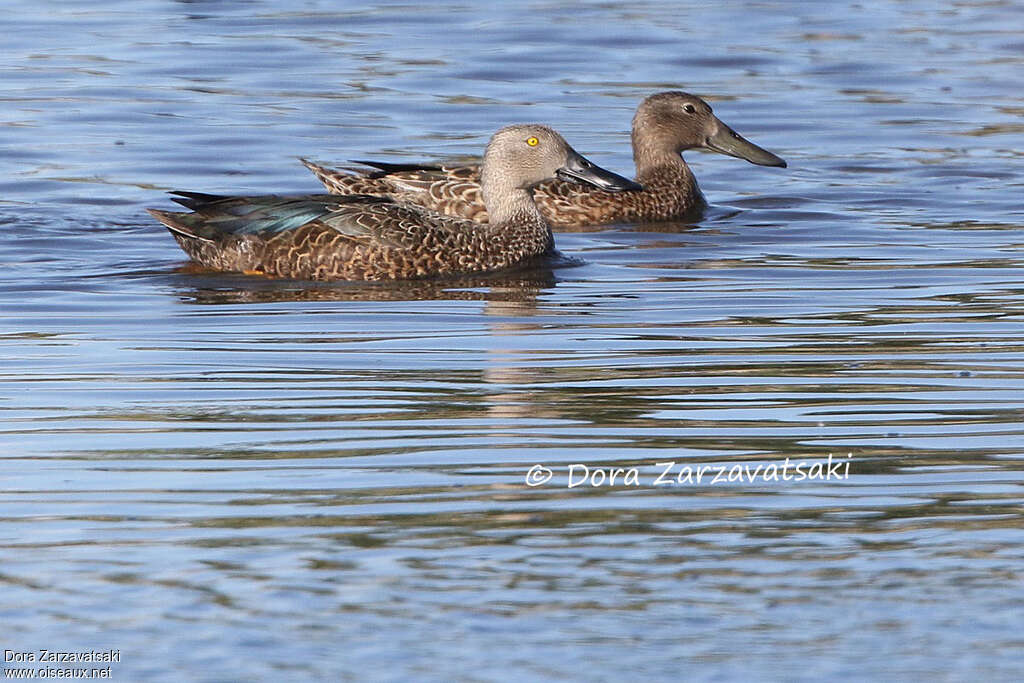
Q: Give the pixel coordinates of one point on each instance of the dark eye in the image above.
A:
(689, 109)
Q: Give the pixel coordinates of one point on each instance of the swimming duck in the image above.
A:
(361, 237)
(666, 124)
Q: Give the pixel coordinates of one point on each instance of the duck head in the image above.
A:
(673, 122)
(522, 156)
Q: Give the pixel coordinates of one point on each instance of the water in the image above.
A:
(228, 478)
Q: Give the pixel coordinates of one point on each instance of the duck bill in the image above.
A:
(727, 141)
(579, 169)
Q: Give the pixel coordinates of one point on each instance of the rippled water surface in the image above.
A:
(230, 478)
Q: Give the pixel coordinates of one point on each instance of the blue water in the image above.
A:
(228, 478)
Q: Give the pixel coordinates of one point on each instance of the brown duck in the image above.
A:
(665, 125)
(361, 237)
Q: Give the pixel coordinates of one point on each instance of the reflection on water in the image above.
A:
(520, 285)
(230, 477)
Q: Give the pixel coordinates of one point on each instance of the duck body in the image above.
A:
(331, 237)
(669, 192)
(665, 125)
(364, 237)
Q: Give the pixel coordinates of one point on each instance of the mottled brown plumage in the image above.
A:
(665, 125)
(360, 237)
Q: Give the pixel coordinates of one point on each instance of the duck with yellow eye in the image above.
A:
(362, 237)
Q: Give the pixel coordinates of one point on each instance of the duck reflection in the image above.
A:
(512, 318)
(520, 286)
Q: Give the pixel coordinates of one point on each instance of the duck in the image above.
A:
(366, 237)
(665, 125)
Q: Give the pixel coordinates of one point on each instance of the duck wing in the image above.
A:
(360, 218)
(451, 190)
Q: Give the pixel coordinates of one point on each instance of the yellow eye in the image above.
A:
(532, 141)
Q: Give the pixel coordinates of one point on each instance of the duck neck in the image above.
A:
(508, 204)
(656, 160)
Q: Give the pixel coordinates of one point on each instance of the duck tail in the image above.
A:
(177, 223)
(322, 173)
